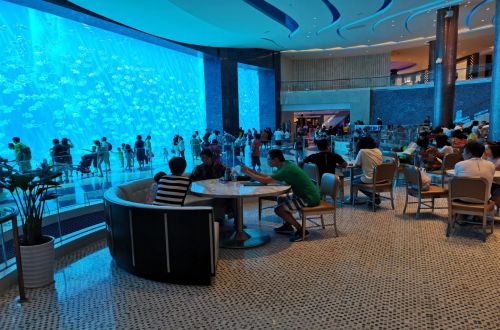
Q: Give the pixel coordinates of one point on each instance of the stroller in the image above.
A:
(86, 162)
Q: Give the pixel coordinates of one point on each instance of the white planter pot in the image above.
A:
(38, 264)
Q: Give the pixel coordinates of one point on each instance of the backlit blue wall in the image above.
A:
(60, 78)
(248, 97)
(410, 105)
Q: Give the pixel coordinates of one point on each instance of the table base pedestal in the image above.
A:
(245, 239)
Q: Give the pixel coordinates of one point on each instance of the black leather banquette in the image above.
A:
(170, 244)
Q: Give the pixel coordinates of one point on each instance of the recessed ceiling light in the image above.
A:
(393, 25)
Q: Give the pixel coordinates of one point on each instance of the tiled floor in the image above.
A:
(385, 271)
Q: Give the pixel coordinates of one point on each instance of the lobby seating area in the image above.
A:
(251, 164)
(385, 269)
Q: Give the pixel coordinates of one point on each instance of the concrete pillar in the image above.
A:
(445, 72)
(494, 131)
(432, 59)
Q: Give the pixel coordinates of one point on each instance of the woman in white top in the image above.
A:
(368, 157)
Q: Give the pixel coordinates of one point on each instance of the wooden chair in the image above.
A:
(329, 187)
(393, 156)
(414, 189)
(383, 179)
(312, 172)
(266, 198)
(475, 191)
(448, 163)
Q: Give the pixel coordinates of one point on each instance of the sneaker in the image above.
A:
(284, 229)
(297, 237)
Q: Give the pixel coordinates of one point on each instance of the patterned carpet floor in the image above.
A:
(385, 271)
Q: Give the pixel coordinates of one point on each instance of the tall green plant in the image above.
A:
(30, 192)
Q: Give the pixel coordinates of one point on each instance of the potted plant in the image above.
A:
(30, 192)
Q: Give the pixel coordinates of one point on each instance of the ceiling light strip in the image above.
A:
(335, 16)
(443, 5)
(475, 10)
(408, 11)
(385, 7)
(275, 14)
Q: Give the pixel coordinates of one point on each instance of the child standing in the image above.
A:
(256, 152)
(129, 155)
(121, 157)
(165, 154)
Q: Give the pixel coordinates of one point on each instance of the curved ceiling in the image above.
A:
(295, 25)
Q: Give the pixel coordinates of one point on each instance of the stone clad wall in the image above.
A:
(409, 105)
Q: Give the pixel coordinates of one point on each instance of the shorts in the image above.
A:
(291, 203)
(255, 161)
(278, 142)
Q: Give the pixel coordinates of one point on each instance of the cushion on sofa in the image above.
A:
(135, 191)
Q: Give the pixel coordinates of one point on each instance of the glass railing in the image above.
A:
(408, 79)
(83, 185)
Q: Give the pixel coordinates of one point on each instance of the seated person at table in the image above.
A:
(172, 189)
(154, 187)
(428, 155)
(368, 157)
(304, 191)
(458, 139)
(209, 169)
(474, 165)
(326, 160)
(492, 154)
(443, 146)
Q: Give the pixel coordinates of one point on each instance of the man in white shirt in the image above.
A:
(368, 157)
(474, 165)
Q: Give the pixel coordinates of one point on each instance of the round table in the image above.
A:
(240, 239)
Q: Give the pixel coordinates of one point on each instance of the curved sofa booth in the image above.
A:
(170, 244)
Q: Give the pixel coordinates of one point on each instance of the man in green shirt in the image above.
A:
(305, 193)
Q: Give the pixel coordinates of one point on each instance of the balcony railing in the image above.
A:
(408, 79)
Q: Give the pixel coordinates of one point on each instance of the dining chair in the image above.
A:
(470, 196)
(414, 188)
(448, 163)
(312, 173)
(329, 187)
(383, 179)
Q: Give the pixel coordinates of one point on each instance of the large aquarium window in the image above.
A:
(248, 96)
(61, 78)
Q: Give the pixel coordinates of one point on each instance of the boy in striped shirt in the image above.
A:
(172, 189)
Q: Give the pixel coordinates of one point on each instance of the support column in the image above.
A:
(229, 86)
(432, 60)
(494, 131)
(445, 73)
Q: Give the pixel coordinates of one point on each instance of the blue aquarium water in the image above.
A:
(61, 78)
(248, 97)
